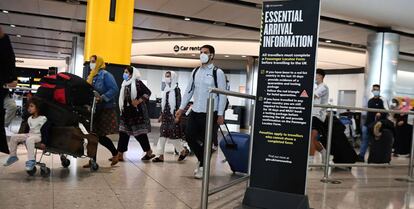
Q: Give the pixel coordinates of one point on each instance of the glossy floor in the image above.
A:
(134, 184)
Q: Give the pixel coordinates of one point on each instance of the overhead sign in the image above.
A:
(289, 39)
(178, 48)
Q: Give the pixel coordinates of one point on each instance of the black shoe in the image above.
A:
(361, 159)
(147, 157)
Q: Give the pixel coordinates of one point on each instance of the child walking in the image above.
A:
(35, 121)
(170, 129)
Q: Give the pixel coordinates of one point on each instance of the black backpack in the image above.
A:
(215, 83)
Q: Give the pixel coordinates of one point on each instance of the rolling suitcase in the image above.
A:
(380, 149)
(341, 149)
(235, 147)
(381, 142)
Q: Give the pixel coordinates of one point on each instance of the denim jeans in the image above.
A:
(366, 137)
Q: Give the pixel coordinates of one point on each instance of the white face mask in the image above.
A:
(168, 80)
(204, 58)
(92, 65)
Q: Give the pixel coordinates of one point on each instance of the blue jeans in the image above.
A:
(366, 137)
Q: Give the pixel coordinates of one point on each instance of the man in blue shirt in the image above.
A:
(203, 78)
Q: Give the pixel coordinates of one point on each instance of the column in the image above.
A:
(251, 86)
(77, 59)
(109, 25)
(382, 61)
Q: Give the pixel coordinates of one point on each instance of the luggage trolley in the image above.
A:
(61, 139)
(71, 104)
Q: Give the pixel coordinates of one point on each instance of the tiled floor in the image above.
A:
(135, 185)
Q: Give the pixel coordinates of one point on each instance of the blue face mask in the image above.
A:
(125, 76)
(376, 93)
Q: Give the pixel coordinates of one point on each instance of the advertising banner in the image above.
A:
(289, 39)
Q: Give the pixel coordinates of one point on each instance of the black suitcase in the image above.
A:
(380, 149)
(341, 149)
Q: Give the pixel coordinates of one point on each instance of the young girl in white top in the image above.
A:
(35, 121)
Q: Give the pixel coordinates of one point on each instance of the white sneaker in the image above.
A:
(199, 174)
(198, 167)
(323, 156)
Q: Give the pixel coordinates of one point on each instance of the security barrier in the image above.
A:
(205, 193)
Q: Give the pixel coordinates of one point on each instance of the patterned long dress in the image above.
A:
(135, 121)
(170, 129)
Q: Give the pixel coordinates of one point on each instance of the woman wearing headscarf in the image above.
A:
(134, 120)
(170, 128)
(105, 119)
(403, 130)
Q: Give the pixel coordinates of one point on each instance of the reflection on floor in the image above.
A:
(135, 185)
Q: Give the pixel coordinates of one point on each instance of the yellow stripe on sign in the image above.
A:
(109, 39)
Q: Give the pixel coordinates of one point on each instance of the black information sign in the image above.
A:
(289, 39)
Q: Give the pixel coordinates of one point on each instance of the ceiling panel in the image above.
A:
(153, 5)
(192, 8)
(39, 33)
(223, 12)
(43, 42)
(344, 33)
(39, 54)
(407, 44)
(41, 48)
(19, 19)
(60, 9)
(20, 5)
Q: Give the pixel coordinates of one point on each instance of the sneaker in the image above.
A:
(198, 166)
(11, 160)
(199, 174)
(323, 156)
(30, 164)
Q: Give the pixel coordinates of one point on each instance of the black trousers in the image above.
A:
(3, 140)
(108, 144)
(195, 133)
(124, 141)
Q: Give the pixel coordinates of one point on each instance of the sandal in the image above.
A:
(183, 155)
(157, 160)
(147, 157)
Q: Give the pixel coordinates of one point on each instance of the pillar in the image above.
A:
(251, 86)
(382, 61)
(109, 25)
(77, 59)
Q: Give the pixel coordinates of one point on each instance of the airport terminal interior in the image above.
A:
(80, 59)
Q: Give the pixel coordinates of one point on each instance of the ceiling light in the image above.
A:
(328, 41)
(13, 26)
(226, 56)
(351, 23)
(244, 56)
(5, 11)
(187, 19)
(19, 36)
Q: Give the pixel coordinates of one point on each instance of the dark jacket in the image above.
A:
(377, 103)
(7, 61)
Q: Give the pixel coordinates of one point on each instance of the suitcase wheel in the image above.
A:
(44, 172)
(65, 162)
(94, 166)
(32, 172)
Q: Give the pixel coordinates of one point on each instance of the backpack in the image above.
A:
(67, 89)
(215, 83)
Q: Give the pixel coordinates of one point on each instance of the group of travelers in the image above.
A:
(133, 120)
(401, 130)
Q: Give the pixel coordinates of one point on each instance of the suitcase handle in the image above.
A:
(233, 145)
